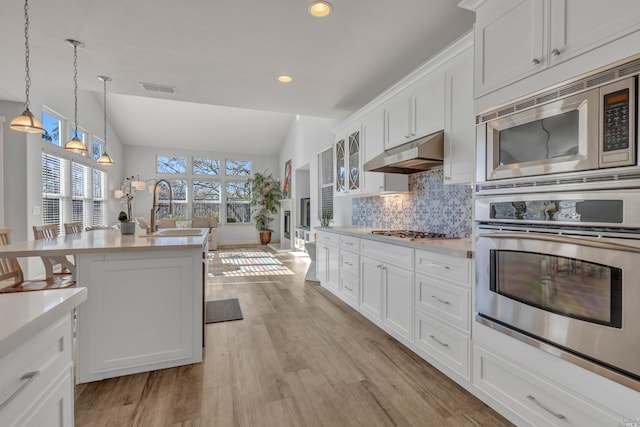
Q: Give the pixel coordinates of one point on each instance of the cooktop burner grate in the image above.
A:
(410, 234)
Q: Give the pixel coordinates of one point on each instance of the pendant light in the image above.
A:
(26, 122)
(105, 159)
(75, 144)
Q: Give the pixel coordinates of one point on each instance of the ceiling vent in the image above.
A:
(150, 87)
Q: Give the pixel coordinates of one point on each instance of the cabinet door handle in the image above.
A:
(555, 414)
(440, 300)
(444, 344)
(446, 267)
(555, 52)
(383, 267)
(447, 178)
(378, 266)
(26, 379)
(535, 61)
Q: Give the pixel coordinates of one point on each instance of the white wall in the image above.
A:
(22, 158)
(142, 161)
(308, 137)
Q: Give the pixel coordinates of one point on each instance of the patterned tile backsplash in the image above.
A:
(429, 206)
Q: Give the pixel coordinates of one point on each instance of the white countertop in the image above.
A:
(461, 247)
(101, 241)
(24, 314)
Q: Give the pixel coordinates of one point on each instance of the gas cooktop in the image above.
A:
(411, 234)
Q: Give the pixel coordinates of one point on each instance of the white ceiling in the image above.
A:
(224, 53)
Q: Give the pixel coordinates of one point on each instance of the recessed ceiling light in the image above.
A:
(285, 79)
(320, 8)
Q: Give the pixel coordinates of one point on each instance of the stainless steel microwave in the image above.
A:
(579, 126)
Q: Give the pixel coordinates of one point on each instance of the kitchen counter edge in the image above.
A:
(460, 247)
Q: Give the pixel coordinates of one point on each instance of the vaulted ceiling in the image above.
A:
(225, 53)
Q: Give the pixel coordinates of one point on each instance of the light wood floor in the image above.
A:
(300, 357)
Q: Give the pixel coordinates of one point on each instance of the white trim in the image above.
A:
(2, 119)
(471, 5)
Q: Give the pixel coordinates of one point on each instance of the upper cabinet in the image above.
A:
(348, 158)
(416, 111)
(515, 39)
(459, 128)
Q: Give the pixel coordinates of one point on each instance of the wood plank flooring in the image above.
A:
(300, 357)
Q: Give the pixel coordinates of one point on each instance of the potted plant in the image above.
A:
(264, 202)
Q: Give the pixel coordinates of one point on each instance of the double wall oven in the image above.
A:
(557, 221)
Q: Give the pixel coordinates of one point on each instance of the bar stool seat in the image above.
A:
(12, 277)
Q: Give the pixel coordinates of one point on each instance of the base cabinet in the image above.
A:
(36, 380)
(328, 261)
(371, 289)
(398, 300)
(533, 399)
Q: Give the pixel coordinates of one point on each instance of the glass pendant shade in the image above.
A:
(75, 145)
(105, 159)
(27, 123)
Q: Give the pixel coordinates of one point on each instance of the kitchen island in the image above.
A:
(145, 305)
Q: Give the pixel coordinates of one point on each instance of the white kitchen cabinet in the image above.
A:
(349, 290)
(515, 39)
(372, 144)
(459, 128)
(534, 399)
(328, 261)
(416, 111)
(371, 283)
(348, 158)
(438, 341)
(36, 380)
(387, 287)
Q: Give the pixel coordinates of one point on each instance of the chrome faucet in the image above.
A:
(154, 206)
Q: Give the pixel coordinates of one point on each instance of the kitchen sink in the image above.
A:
(178, 232)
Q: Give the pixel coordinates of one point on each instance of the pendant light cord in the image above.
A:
(27, 78)
(104, 81)
(75, 90)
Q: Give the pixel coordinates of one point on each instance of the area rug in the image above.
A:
(246, 262)
(223, 311)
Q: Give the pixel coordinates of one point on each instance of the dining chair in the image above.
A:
(53, 265)
(12, 277)
(72, 227)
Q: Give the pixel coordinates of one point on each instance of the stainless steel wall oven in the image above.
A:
(562, 271)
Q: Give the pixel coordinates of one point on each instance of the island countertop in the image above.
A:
(24, 314)
(101, 241)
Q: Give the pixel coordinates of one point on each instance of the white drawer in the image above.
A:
(350, 290)
(350, 263)
(27, 372)
(328, 238)
(446, 266)
(388, 253)
(444, 343)
(350, 243)
(444, 300)
(534, 399)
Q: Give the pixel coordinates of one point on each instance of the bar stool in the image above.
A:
(50, 231)
(11, 272)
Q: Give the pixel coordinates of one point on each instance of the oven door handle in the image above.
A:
(562, 239)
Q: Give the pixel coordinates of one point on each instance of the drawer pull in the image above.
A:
(446, 267)
(348, 243)
(534, 400)
(440, 300)
(26, 379)
(348, 263)
(348, 288)
(444, 344)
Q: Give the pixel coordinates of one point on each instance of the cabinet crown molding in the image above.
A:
(471, 5)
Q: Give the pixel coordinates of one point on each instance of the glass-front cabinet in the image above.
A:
(348, 162)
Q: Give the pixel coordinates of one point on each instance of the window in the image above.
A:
(179, 193)
(210, 188)
(238, 196)
(238, 168)
(173, 165)
(53, 125)
(72, 191)
(97, 148)
(325, 184)
(206, 198)
(202, 166)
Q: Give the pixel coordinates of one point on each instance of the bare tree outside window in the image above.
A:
(202, 166)
(238, 197)
(179, 192)
(238, 168)
(206, 199)
(167, 164)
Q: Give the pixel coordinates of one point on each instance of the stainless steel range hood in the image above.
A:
(415, 156)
